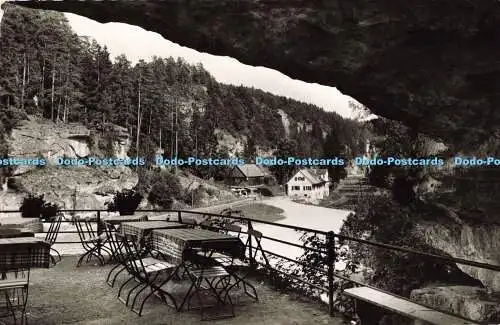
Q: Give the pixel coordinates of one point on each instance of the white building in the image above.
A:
(310, 184)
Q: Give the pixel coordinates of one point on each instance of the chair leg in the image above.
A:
(111, 272)
(58, 255)
(132, 290)
(137, 295)
(121, 289)
(80, 260)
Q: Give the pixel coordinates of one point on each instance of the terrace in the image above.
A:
(69, 295)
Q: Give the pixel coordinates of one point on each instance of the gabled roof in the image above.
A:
(320, 173)
(313, 175)
(251, 170)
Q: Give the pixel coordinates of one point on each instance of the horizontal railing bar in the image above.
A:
(362, 241)
(67, 242)
(296, 245)
(254, 220)
(429, 255)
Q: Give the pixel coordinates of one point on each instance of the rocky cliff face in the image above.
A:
(470, 302)
(37, 137)
(477, 243)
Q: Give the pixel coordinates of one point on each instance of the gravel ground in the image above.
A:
(69, 295)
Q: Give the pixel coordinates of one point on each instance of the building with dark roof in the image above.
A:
(250, 174)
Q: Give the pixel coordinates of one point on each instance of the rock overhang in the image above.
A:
(431, 65)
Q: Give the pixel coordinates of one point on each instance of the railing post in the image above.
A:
(179, 217)
(250, 254)
(99, 232)
(330, 248)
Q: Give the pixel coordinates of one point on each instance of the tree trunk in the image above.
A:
(176, 136)
(62, 89)
(171, 132)
(42, 86)
(52, 92)
(139, 113)
(160, 138)
(65, 110)
(150, 118)
(23, 89)
(58, 109)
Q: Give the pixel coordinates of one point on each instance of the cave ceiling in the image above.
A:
(434, 65)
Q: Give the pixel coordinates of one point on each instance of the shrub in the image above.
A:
(165, 187)
(265, 191)
(159, 196)
(125, 202)
(34, 206)
(49, 211)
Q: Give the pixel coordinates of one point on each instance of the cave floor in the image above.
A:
(65, 294)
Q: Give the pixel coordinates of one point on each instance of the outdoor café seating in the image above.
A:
(92, 243)
(239, 268)
(14, 285)
(146, 270)
(17, 256)
(153, 252)
(51, 237)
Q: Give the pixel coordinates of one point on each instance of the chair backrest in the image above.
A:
(53, 231)
(133, 254)
(189, 221)
(256, 234)
(85, 230)
(115, 245)
(207, 224)
(122, 251)
(234, 228)
(258, 247)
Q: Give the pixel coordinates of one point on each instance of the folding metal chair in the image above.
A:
(91, 243)
(202, 272)
(117, 254)
(146, 270)
(51, 236)
(14, 284)
(235, 264)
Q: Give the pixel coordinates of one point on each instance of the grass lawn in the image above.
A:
(261, 211)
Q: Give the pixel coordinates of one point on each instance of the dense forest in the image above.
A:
(49, 71)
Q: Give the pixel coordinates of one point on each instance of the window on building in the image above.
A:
(295, 188)
(306, 188)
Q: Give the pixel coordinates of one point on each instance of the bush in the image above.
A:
(159, 196)
(165, 188)
(265, 191)
(36, 207)
(125, 202)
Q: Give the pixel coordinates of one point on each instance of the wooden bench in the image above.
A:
(405, 307)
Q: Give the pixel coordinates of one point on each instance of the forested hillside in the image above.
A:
(49, 71)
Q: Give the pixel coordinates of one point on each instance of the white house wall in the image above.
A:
(315, 193)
